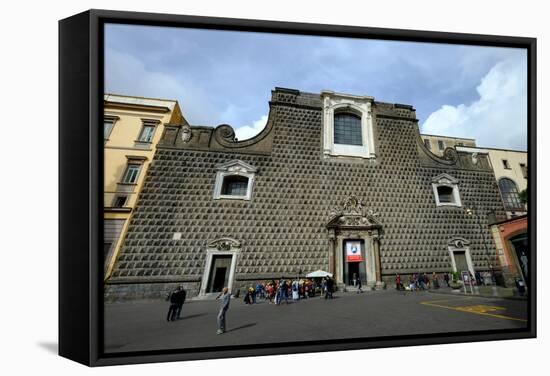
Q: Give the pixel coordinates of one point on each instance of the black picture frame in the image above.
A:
(80, 175)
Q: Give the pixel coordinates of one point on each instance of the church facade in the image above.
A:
(336, 182)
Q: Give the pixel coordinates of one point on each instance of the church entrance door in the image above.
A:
(353, 273)
(354, 261)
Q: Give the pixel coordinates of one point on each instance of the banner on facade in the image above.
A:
(353, 251)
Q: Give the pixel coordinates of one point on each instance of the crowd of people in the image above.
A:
(274, 292)
(277, 292)
(422, 281)
(283, 290)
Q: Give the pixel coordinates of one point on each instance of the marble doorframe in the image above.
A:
(371, 238)
(220, 247)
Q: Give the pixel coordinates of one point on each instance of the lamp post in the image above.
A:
(473, 210)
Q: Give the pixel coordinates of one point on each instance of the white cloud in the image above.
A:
(125, 74)
(248, 131)
(498, 118)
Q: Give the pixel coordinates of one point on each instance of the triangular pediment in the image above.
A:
(236, 166)
(444, 179)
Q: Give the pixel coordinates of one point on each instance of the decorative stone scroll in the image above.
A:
(225, 134)
(449, 158)
(450, 154)
(458, 242)
(224, 244)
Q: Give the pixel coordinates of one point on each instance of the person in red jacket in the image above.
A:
(398, 285)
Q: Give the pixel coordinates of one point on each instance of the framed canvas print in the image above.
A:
(258, 187)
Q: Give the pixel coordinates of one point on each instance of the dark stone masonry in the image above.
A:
(304, 205)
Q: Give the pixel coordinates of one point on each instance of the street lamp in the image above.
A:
(471, 211)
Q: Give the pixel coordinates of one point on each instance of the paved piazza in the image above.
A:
(142, 325)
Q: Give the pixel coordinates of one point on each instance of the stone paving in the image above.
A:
(142, 325)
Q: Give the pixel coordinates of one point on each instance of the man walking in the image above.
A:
(330, 285)
(225, 297)
(173, 298)
(446, 279)
(181, 294)
(359, 285)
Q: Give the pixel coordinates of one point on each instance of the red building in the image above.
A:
(512, 245)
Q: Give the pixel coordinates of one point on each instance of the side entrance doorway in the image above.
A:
(219, 273)
(459, 252)
(220, 265)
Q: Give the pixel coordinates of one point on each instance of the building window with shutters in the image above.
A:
(131, 174)
(147, 131)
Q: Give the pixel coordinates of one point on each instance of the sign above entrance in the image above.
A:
(353, 251)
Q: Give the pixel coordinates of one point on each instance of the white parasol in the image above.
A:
(318, 274)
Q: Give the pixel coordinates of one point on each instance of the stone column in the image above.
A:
(331, 250)
(376, 243)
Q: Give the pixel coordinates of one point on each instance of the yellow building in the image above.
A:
(132, 127)
(437, 144)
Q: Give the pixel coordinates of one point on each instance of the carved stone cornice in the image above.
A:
(353, 213)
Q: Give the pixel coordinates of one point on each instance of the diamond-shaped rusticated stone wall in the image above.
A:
(282, 229)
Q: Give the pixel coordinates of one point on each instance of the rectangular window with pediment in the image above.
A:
(445, 189)
(234, 180)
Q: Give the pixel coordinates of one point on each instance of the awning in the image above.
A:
(318, 274)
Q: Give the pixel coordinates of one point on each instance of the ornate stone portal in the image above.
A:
(353, 221)
(224, 247)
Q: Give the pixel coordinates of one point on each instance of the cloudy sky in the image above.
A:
(227, 77)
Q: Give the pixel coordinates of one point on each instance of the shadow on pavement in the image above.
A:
(241, 327)
(191, 316)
